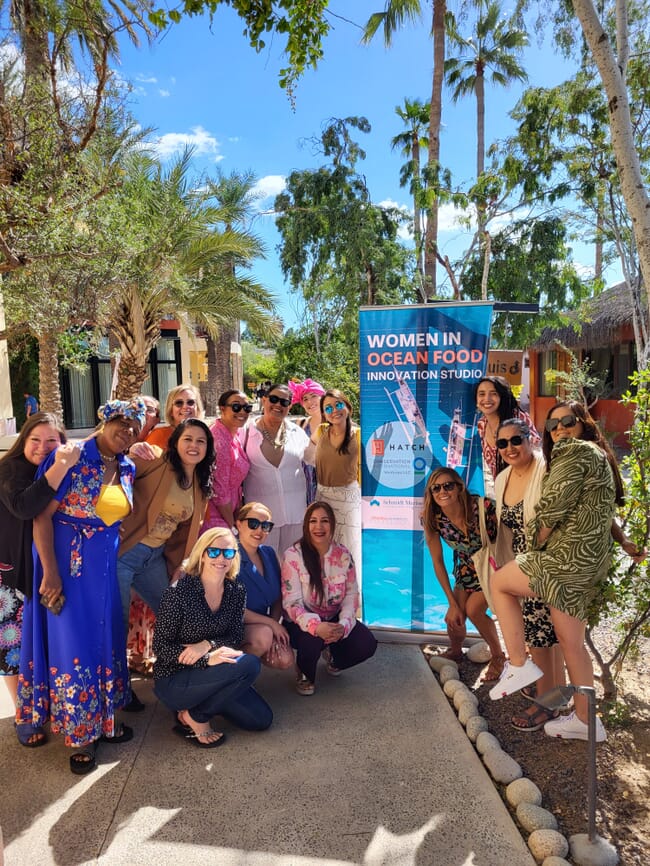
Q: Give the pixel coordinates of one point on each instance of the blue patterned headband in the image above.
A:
(135, 410)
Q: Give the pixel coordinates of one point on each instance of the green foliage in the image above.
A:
(530, 262)
(625, 599)
(578, 380)
(301, 22)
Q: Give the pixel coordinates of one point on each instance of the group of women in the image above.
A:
(554, 520)
(163, 516)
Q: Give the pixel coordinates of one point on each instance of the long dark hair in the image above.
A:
(508, 405)
(18, 448)
(204, 468)
(590, 433)
(310, 556)
(431, 511)
(344, 447)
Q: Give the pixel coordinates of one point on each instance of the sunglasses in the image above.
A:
(514, 440)
(566, 421)
(447, 486)
(226, 552)
(240, 407)
(180, 403)
(339, 406)
(283, 401)
(254, 523)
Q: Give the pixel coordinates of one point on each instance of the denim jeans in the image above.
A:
(221, 690)
(358, 646)
(145, 569)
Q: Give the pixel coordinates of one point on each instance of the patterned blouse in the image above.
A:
(464, 546)
(230, 469)
(184, 617)
(340, 590)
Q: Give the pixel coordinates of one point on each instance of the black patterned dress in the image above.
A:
(464, 546)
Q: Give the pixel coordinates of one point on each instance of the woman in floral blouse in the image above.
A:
(320, 598)
(73, 664)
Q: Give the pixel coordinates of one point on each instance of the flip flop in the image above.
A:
(82, 761)
(26, 732)
(126, 734)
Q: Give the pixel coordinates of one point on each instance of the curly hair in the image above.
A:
(204, 468)
(590, 433)
(431, 511)
(508, 405)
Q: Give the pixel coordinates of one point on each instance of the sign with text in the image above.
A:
(419, 366)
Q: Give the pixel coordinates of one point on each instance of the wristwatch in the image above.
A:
(213, 644)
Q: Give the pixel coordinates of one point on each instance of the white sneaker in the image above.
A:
(571, 728)
(515, 677)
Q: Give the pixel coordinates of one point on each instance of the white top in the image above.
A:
(283, 489)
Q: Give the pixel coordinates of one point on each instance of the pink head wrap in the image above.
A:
(299, 389)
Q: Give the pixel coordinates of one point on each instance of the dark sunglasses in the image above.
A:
(226, 552)
(283, 401)
(514, 440)
(239, 407)
(179, 403)
(339, 406)
(254, 523)
(566, 421)
(447, 486)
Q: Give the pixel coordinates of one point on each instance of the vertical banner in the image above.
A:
(419, 366)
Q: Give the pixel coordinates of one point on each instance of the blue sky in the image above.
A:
(204, 85)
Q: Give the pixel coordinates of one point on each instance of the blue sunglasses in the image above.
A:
(226, 552)
(339, 406)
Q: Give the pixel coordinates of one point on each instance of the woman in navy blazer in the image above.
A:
(260, 574)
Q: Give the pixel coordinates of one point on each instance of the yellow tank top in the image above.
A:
(112, 504)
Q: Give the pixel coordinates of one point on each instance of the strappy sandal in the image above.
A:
(454, 657)
(83, 759)
(529, 692)
(30, 736)
(198, 739)
(125, 734)
(494, 669)
(533, 718)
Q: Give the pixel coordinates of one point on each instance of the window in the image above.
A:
(547, 361)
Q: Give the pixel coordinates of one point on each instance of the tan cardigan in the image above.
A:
(152, 482)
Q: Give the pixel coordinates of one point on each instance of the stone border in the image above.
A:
(547, 845)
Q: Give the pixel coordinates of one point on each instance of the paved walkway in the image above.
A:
(373, 770)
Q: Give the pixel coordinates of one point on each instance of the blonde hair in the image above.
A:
(174, 393)
(246, 509)
(211, 538)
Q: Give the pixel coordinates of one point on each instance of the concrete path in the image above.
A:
(373, 770)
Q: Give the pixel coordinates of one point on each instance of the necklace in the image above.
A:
(279, 439)
(107, 459)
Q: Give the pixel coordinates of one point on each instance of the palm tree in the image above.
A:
(395, 14)
(415, 115)
(175, 260)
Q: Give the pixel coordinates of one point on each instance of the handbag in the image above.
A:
(486, 560)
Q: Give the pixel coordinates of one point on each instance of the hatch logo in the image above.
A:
(378, 448)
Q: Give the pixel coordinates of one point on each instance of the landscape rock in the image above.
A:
(479, 653)
(464, 694)
(600, 852)
(523, 791)
(466, 711)
(532, 817)
(502, 767)
(547, 843)
(486, 741)
(451, 687)
(556, 861)
(437, 663)
(448, 672)
(475, 726)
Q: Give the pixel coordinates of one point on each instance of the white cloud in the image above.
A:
(269, 186)
(200, 139)
(585, 272)
(144, 79)
(164, 93)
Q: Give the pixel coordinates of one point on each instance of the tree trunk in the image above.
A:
(417, 216)
(220, 374)
(49, 390)
(435, 119)
(131, 374)
(627, 158)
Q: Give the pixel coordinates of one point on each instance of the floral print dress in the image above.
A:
(73, 666)
(464, 546)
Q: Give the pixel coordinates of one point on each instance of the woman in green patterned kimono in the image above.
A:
(568, 555)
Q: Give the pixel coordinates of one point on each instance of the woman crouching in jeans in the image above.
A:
(199, 671)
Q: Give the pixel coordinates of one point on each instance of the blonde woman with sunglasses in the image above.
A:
(264, 636)
(451, 513)
(200, 672)
(182, 402)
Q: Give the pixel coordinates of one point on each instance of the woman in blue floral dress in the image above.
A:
(73, 660)
(450, 512)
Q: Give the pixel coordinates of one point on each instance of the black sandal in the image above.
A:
(533, 718)
(125, 734)
(83, 760)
